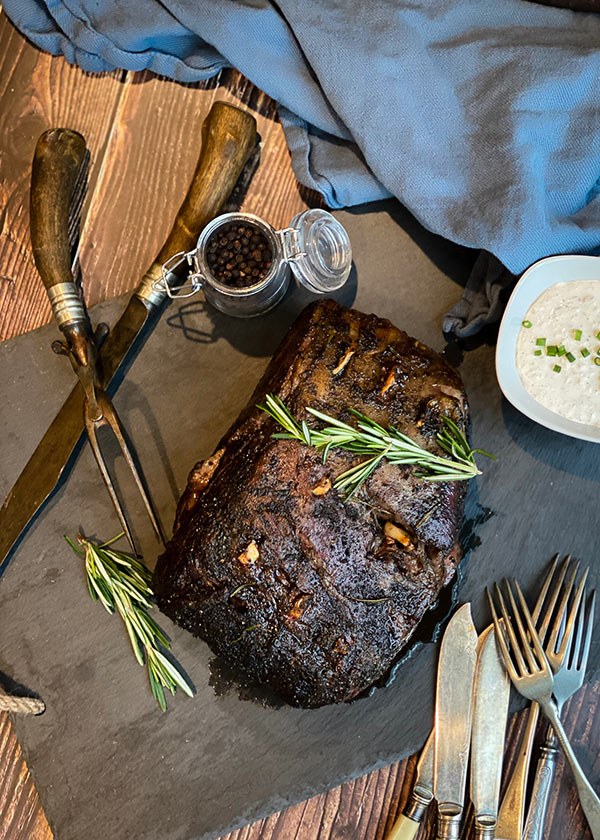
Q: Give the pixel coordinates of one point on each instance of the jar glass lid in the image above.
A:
(317, 248)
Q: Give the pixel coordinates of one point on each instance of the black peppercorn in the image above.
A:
(238, 255)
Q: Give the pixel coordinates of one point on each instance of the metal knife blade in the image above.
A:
(453, 715)
(490, 710)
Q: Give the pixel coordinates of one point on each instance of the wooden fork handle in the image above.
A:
(57, 163)
(59, 156)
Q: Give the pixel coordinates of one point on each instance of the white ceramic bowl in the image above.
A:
(534, 281)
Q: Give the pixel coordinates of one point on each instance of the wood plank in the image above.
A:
(21, 816)
(38, 92)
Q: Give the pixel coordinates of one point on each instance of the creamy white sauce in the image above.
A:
(573, 393)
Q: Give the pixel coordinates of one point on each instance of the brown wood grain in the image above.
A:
(20, 813)
(143, 133)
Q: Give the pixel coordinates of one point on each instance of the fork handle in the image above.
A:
(544, 775)
(57, 163)
(590, 804)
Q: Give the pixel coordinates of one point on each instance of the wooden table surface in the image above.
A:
(144, 136)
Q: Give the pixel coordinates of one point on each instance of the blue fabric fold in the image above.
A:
(482, 118)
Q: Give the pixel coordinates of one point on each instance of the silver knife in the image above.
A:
(407, 824)
(453, 714)
(490, 711)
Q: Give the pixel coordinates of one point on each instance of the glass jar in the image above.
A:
(315, 247)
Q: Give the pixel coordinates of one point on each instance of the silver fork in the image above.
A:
(530, 674)
(512, 809)
(567, 680)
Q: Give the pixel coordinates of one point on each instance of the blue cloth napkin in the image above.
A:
(482, 117)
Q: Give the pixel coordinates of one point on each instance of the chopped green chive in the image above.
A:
(578, 335)
(541, 342)
(551, 350)
(598, 335)
(561, 351)
(527, 324)
(597, 361)
(570, 357)
(557, 368)
(537, 352)
(585, 352)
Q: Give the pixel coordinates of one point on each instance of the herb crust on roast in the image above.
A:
(285, 579)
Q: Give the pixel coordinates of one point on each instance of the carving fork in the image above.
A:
(59, 160)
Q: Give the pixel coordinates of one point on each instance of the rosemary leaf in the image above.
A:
(122, 584)
(370, 438)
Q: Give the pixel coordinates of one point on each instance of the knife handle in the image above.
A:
(228, 138)
(59, 156)
(404, 829)
(407, 824)
(544, 775)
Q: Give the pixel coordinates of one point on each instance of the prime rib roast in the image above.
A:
(286, 580)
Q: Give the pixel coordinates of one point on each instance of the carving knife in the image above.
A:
(453, 715)
(228, 139)
(490, 711)
(407, 824)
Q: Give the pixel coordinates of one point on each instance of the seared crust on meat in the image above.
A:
(268, 564)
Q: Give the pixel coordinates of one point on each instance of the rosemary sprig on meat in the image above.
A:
(369, 438)
(122, 584)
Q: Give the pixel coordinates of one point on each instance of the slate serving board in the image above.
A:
(107, 763)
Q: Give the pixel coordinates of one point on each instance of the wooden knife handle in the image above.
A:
(228, 138)
(59, 156)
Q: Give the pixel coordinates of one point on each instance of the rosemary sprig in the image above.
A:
(369, 438)
(122, 584)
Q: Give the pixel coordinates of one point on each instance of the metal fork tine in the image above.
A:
(573, 614)
(112, 420)
(525, 642)
(499, 631)
(511, 634)
(573, 651)
(542, 596)
(543, 630)
(535, 639)
(588, 632)
(554, 635)
(91, 428)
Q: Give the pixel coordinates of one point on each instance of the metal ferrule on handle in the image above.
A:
(151, 290)
(544, 774)
(408, 823)
(448, 822)
(67, 306)
(420, 800)
(485, 827)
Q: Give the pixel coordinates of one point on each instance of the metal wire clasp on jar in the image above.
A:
(242, 264)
